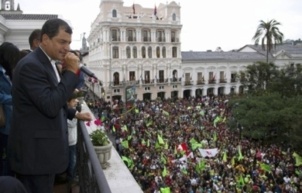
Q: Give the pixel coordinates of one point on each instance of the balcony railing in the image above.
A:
(147, 39)
(199, 82)
(212, 81)
(188, 82)
(91, 175)
(175, 79)
(131, 39)
(233, 80)
(222, 80)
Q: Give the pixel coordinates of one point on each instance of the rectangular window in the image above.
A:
(132, 75)
(146, 36)
(174, 52)
(161, 76)
(160, 36)
(131, 35)
(173, 36)
(115, 53)
(147, 76)
(114, 35)
(200, 78)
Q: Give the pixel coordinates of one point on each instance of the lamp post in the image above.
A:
(110, 74)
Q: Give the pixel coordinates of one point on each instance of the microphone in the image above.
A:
(86, 71)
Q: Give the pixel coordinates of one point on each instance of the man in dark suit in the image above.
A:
(38, 139)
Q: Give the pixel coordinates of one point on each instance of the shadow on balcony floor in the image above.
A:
(62, 186)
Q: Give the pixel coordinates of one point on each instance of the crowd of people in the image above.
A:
(185, 145)
(181, 145)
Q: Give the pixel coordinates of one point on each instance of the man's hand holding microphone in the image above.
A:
(71, 62)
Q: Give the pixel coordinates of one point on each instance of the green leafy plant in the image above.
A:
(99, 138)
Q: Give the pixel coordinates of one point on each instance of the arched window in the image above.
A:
(7, 5)
(134, 52)
(174, 17)
(149, 52)
(114, 13)
(128, 52)
(157, 52)
(116, 78)
(143, 52)
(164, 52)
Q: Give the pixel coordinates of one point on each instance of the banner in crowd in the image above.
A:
(208, 152)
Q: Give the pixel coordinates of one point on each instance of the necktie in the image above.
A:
(53, 63)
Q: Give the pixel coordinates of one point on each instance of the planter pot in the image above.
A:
(104, 154)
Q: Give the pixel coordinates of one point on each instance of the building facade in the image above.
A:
(136, 47)
(15, 27)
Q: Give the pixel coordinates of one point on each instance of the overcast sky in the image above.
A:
(207, 24)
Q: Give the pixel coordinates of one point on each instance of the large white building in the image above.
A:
(16, 27)
(141, 48)
(137, 47)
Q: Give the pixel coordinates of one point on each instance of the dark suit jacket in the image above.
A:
(38, 142)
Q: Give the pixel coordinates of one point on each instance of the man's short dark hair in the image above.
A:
(51, 27)
(35, 35)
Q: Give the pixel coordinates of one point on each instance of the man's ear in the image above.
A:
(37, 42)
(45, 38)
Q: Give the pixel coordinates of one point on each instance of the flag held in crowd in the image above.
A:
(208, 152)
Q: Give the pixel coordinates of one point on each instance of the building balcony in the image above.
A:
(175, 80)
(162, 81)
(222, 80)
(92, 177)
(148, 81)
(146, 39)
(212, 81)
(131, 39)
(200, 82)
(173, 39)
(161, 39)
(116, 39)
(233, 80)
(188, 82)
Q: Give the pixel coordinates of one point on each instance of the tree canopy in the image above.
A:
(271, 110)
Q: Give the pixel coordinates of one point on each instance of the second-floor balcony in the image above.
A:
(212, 81)
(188, 82)
(147, 39)
(233, 80)
(199, 82)
(115, 39)
(222, 80)
(175, 80)
(124, 83)
(162, 80)
(131, 39)
(173, 39)
(161, 39)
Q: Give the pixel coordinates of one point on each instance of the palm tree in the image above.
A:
(269, 34)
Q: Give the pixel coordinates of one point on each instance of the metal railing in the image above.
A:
(91, 176)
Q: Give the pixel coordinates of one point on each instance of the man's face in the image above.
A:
(58, 46)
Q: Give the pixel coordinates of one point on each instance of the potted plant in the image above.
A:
(102, 146)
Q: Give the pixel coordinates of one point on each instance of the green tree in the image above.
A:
(269, 35)
(258, 77)
(269, 117)
(289, 81)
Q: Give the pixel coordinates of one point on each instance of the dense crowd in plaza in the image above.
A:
(185, 145)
